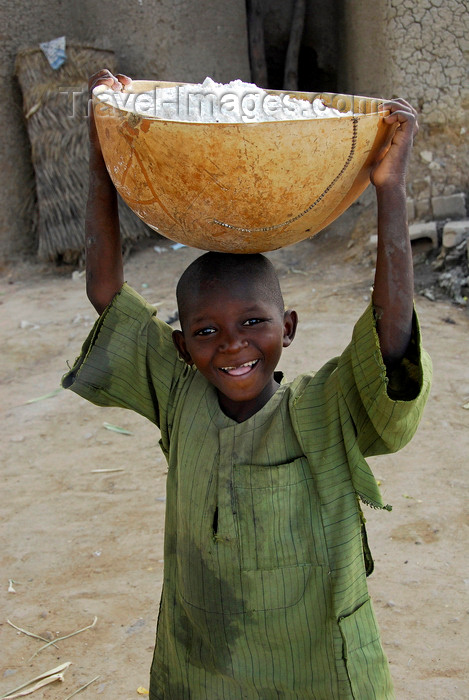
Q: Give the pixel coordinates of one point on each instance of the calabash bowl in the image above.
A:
(243, 187)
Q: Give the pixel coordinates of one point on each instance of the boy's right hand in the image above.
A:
(114, 82)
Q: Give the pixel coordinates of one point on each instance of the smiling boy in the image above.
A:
(266, 559)
(234, 328)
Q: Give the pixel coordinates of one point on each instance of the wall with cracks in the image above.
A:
(419, 51)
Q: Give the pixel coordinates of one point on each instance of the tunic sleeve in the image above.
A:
(128, 359)
(350, 409)
(385, 411)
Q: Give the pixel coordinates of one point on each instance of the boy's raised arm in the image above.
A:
(394, 281)
(104, 267)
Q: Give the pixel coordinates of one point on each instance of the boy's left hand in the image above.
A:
(390, 171)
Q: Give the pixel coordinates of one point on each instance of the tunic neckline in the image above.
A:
(221, 420)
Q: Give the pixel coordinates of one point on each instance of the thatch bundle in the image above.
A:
(55, 103)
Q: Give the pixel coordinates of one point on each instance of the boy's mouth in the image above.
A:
(239, 370)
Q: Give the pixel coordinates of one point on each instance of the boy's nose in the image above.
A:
(232, 342)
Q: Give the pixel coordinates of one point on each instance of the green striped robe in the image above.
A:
(264, 591)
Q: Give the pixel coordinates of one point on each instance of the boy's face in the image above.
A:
(235, 339)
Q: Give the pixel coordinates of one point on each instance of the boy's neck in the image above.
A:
(240, 411)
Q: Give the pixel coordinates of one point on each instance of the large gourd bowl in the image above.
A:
(244, 187)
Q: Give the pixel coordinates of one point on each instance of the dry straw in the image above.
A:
(54, 103)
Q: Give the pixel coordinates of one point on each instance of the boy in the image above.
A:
(266, 557)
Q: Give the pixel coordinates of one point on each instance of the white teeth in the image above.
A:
(246, 364)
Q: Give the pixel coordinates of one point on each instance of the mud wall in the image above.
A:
(417, 50)
(165, 39)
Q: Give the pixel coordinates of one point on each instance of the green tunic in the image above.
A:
(264, 591)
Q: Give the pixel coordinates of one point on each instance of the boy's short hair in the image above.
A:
(212, 269)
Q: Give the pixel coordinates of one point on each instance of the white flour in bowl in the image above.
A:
(216, 102)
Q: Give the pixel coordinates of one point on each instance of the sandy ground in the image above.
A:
(79, 543)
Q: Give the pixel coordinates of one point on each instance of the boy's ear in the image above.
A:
(290, 322)
(180, 345)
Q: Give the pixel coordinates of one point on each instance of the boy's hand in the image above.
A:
(390, 171)
(102, 77)
(105, 77)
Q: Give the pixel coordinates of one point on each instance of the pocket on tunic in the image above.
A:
(275, 589)
(364, 658)
(251, 592)
(278, 516)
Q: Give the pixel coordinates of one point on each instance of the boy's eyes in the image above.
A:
(252, 321)
(210, 330)
(205, 331)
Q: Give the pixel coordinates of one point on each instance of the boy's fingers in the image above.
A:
(123, 79)
(105, 77)
(401, 112)
(103, 74)
(406, 120)
(399, 105)
(100, 73)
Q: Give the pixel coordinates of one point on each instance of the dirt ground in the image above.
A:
(78, 543)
